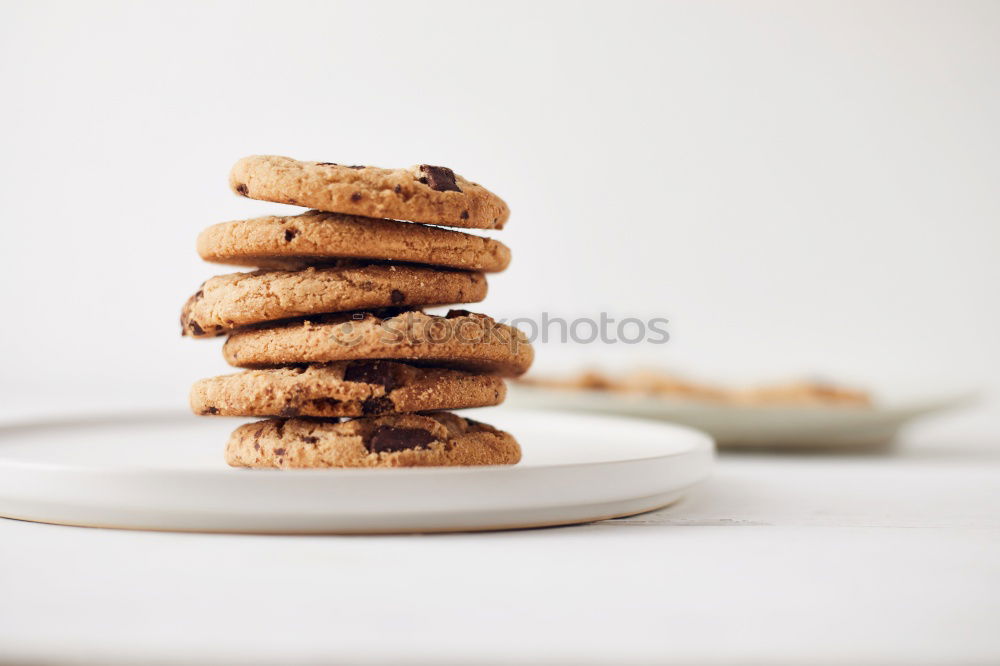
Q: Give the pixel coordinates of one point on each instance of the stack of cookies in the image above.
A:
(339, 356)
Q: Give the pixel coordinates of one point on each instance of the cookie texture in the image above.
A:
(355, 388)
(399, 440)
(226, 302)
(316, 237)
(423, 193)
(462, 340)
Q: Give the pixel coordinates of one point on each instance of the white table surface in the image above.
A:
(778, 559)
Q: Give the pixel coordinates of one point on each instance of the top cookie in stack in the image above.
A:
(330, 325)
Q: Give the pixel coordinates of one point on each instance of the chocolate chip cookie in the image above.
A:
(462, 340)
(355, 388)
(399, 440)
(423, 193)
(315, 237)
(226, 302)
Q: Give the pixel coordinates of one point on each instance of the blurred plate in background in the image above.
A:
(815, 427)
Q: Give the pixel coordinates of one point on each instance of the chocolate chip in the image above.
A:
(387, 438)
(457, 313)
(288, 411)
(397, 297)
(356, 196)
(422, 180)
(279, 452)
(242, 189)
(326, 164)
(376, 406)
(310, 440)
(356, 166)
(211, 410)
(290, 234)
(439, 178)
(280, 427)
(372, 372)
(256, 446)
(321, 404)
(464, 215)
(397, 189)
(196, 329)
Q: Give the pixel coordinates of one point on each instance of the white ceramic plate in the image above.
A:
(164, 471)
(736, 426)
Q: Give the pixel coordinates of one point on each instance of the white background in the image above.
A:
(798, 187)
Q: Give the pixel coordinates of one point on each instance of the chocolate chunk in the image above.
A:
(387, 438)
(310, 440)
(290, 234)
(196, 329)
(464, 215)
(356, 166)
(326, 164)
(377, 406)
(288, 411)
(356, 196)
(457, 313)
(372, 372)
(242, 189)
(397, 297)
(279, 452)
(439, 178)
(397, 189)
(211, 410)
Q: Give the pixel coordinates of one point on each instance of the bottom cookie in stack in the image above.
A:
(395, 440)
